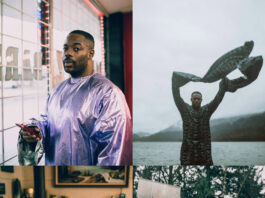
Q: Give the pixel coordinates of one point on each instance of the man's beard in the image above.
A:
(78, 67)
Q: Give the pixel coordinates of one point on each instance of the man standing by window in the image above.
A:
(87, 119)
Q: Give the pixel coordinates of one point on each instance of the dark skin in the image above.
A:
(196, 100)
(77, 61)
(78, 54)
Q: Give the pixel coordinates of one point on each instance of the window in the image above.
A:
(31, 58)
(23, 75)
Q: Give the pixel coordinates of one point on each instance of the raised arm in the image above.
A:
(181, 105)
(212, 106)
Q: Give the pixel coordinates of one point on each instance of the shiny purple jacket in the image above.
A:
(87, 122)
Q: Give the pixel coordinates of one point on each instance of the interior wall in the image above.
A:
(114, 48)
(71, 192)
(23, 173)
(128, 57)
(118, 52)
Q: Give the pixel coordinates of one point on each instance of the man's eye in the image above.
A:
(76, 49)
(65, 48)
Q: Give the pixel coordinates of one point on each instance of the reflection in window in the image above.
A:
(12, 85)
(11, 52)
(31, 62)
(22, 72)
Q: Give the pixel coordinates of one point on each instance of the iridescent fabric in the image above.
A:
(87, 122)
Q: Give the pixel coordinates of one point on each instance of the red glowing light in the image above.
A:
(93, 8)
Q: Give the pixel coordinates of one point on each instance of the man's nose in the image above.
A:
(67, 56)
(68, 53)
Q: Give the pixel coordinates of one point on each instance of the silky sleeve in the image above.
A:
(212, 106)
(112, 131)
(181, 105)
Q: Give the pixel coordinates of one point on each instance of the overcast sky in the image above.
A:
(188, 36)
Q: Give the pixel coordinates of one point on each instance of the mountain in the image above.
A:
(142, 134)
(250, 127)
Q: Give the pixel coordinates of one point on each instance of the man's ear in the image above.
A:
(91, 53)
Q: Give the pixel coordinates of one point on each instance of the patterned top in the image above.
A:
(196, 144)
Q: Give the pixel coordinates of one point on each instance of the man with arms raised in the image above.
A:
(196, 144)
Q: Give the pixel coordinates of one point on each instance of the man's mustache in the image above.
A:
(68, 60)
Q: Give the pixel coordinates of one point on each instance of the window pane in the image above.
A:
(30, 107)
(1, 67)
(1, 124)
(11, 137)
(42, 104)
(11, 51)
(11, 16)
(1, 155)
(42, 84)
(12, 162)
(14, 3)
(0, 20)
(30, 7)
(30, 27)
(31, 68)
(12, 111)
(12, 81)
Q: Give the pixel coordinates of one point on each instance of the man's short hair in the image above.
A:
(196, 92)
(88, 36)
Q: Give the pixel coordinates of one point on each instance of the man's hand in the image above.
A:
(28, 137)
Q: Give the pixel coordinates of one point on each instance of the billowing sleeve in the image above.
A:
(112, 133)
(212, 106)
(30, 154)
(181, 105)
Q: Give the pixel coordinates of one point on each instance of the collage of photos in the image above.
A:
(132, 99)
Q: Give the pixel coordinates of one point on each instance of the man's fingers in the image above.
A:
(25, 133)
(28, 137)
